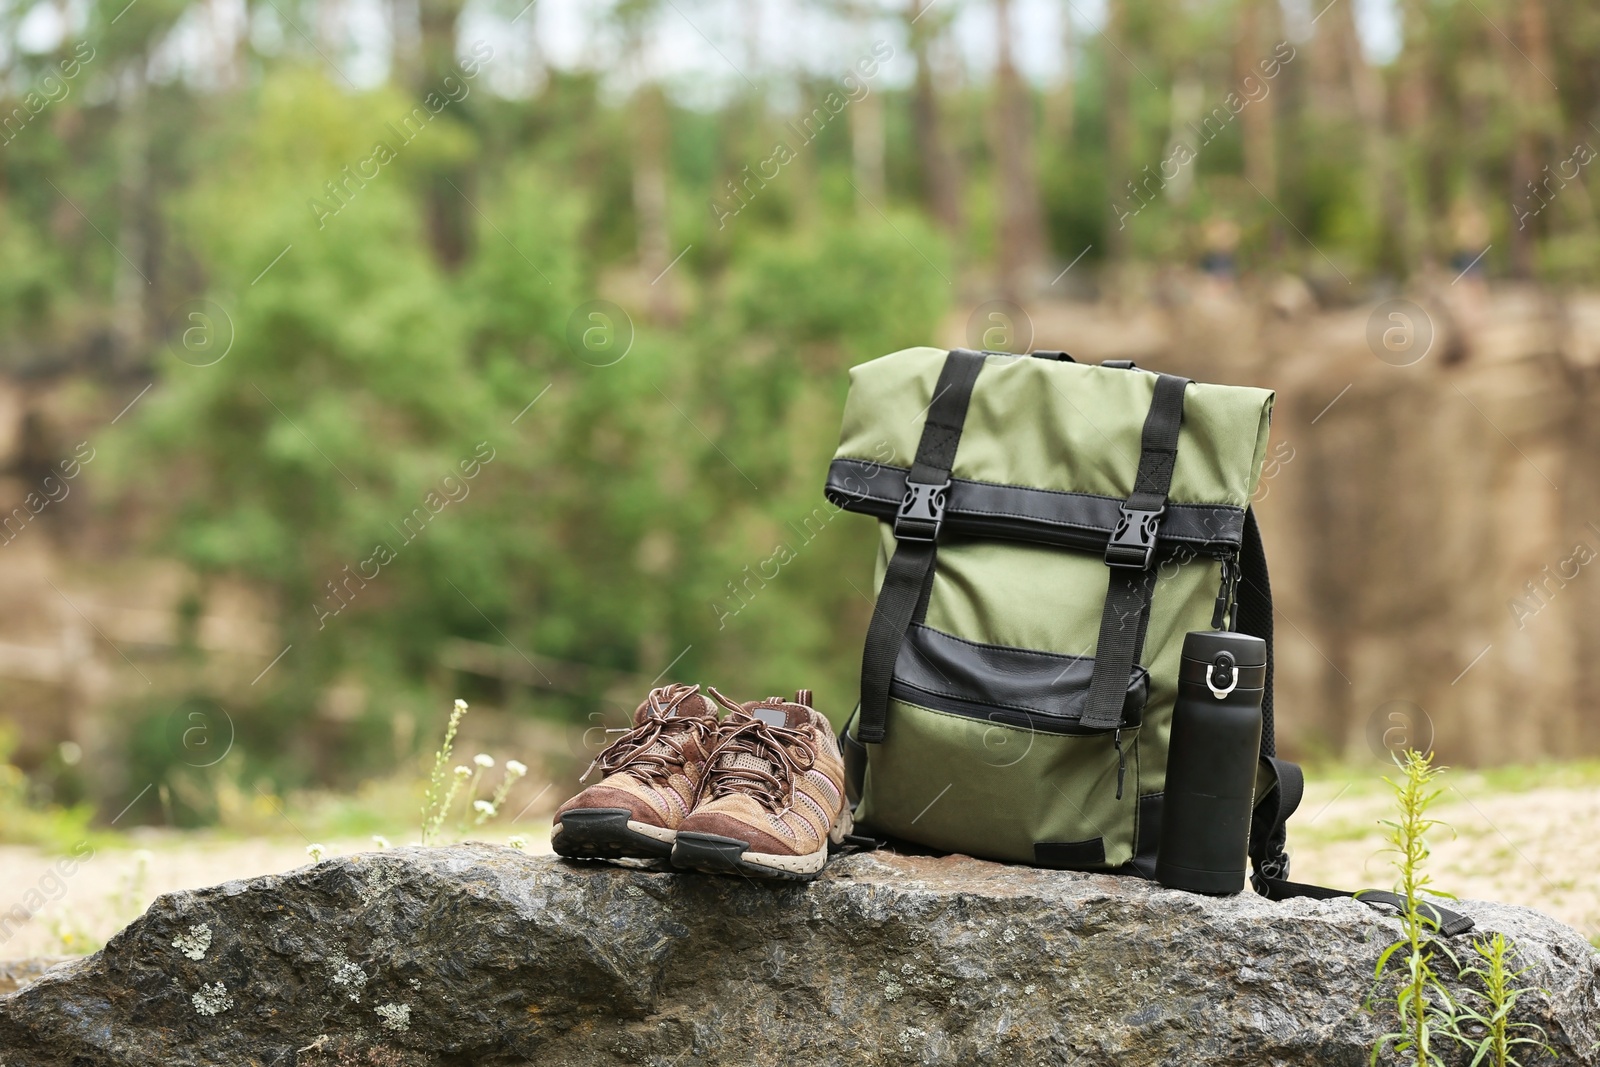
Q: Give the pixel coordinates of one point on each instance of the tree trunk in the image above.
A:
(1384, 191)
(1256, 122)
(447, 210)
(1061, 106)
(941, 184)
(131, 286)
(1021, 245)
(1535, 113)
(866, 151)
(650, 200)
(1119, 128)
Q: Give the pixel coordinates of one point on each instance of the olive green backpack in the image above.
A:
(1048, 533)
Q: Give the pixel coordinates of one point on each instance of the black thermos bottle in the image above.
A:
(1211, 763)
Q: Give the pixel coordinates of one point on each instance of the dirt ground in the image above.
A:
(1533, 840)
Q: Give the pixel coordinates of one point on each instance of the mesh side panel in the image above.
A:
(744, 761)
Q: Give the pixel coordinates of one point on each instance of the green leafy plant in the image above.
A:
(1501, 1036)
(1425, 1007)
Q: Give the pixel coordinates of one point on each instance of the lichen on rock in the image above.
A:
(194, 942)
(212, 999)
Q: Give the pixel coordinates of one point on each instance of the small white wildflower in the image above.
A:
(517, 841)
(381, 841)
(483, 807)
(316, 852)
(395, 1016)
(516, 768)
(194, 943)
(484, 760)
(463, 771)
(212, 999)
(461, 705)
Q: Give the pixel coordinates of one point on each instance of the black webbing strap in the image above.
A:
(1255, 614)
(1268, 833)
(1269, 825)
(1447, 922)
(916, 531)
(1131, 580)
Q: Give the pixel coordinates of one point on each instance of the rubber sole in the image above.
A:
(714, 854)
(609, 834)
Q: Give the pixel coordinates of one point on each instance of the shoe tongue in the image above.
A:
(689, 707)
(775, 711)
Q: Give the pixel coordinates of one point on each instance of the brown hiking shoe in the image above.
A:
(652, 778)
(773, 799)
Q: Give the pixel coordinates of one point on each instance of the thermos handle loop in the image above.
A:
(1223, 662)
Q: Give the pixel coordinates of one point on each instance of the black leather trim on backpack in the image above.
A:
(1082, 521)
(1043, 691)
(1070, 854)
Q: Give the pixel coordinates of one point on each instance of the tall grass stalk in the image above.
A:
(442, 784)
(1423, 1004)
(1502, 1037)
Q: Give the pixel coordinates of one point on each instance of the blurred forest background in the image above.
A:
(360, 354)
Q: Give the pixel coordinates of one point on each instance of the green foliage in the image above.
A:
(26, 822)
(871, 288)
(1491, 1009)
(1424, 1005)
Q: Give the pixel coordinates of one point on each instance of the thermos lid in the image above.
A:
(1203, 645)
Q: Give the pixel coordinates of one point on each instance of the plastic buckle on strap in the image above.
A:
(1133, 542)
(921, 512)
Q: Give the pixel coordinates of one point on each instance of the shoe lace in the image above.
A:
(656, 745)
(753, 749)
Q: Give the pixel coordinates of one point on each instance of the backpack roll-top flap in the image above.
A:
(1041, 432)
(1048, 532)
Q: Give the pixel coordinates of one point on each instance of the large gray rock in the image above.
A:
(481, 955)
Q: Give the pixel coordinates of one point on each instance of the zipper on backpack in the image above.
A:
(1225, 592)
(1122, 760)
(1032, 721)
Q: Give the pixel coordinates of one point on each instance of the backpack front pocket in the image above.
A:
(984, 754)
(962, 783)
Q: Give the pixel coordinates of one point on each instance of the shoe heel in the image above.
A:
(602, 834)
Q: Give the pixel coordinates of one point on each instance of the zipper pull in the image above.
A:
(1219, 614)
(1122, 760)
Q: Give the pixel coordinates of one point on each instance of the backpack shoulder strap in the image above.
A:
(1269, 827)
(916, 532)
(1255, 616)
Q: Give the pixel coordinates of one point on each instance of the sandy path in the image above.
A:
(1539, 848)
